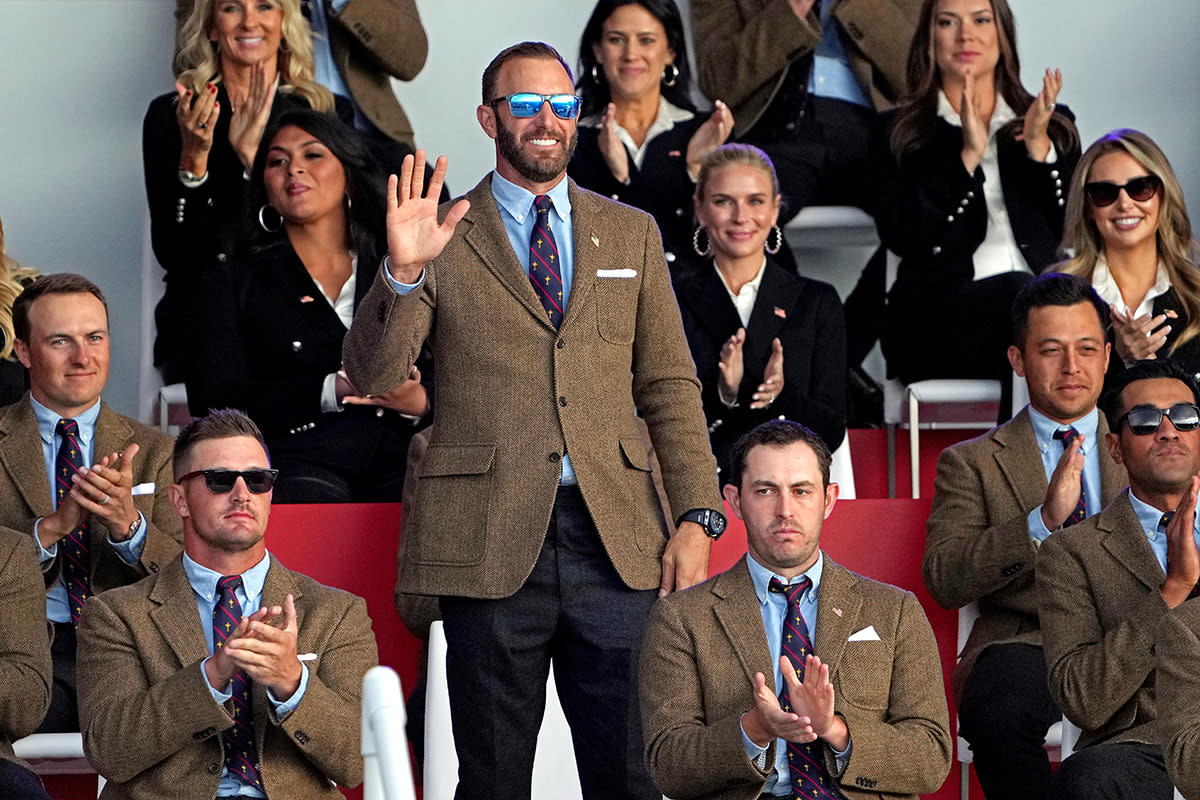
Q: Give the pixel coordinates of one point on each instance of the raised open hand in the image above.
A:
(772, 383)
(1141, 337)
(197, 117)
(250, 112)
(731, 367)
(1037, 117)
(414, 235)
(708, 137)
(611, 147)
(975, 134)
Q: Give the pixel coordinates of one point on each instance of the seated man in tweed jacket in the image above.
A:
(864, 713)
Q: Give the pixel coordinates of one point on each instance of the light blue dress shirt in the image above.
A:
(831, 75)
(1052, 450)
(326, 70)
(1150, 517)
(773, 607)
(58, 605)
(518, 216)
(249, 595)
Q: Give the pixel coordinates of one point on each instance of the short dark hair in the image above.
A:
(54, 283)
(1053, 289)
(1148, 369)
(223, 423)
(522, 50)
(777, 433)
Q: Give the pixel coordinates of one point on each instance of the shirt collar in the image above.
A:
(1002, 114)
(761, 577)
(47, 421)
(1150, 516)
(751, 284)
(1106, 286)
(1044, 428)
(517, 201)
(204, 580)
(668, 114)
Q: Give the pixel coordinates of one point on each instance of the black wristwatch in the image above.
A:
(713, 522)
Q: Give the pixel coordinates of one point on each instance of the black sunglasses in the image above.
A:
(1104, 193)
(1145, 419)
(221, 481)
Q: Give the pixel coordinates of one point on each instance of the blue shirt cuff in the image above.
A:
(222, 697)
(398, 287)
(44, 555)
(1037, 529)
(130, 550)
(282, 709)
(338, 5)
(758, 755)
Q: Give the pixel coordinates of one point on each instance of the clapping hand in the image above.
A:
(611, 147)
(197, 117)
(408, 398)
(975, 133)
(1037, 117)
(1140, 337)
(731, 367)
(708, 137)
(251, 110)
(1062, 493)
(414, 235)
(1183, 557)
(772, 383)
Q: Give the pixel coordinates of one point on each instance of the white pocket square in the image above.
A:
(143, 488)
(616, 273)
(867, 634)
(307, 657)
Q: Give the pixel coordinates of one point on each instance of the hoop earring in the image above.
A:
(263, 223)
(778, 240)
(596, 79)
(673, 71)
(349, 202)
(707, 251)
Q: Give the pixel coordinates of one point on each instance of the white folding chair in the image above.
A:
(554, 773)
(56, 754)
(172, 404)
(387, 773)
(841, 471)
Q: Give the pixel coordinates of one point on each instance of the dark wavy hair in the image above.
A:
(364, 184)
(595, 92)
(917, 117)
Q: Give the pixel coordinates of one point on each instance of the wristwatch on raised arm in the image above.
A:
(713, 522)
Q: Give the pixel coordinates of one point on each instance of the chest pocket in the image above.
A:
(617, 307)
(864, 674)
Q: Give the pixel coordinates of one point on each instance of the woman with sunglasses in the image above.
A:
(971, 171)
(641, 139)
(1128, 227)
(275, 320)
(766, 342)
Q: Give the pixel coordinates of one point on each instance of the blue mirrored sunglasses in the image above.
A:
(527, 104)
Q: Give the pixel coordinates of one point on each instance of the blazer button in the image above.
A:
(222, 257)
(153, 566)
(553, 457)
(936, 250)
(949, 218)
(296, 346)
(1053, 173)
(562, 401)
(301, 737)
(560, 344)
(213, 769)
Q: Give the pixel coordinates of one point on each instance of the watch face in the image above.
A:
(716, 522)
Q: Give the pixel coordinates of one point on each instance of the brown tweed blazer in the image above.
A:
(704, 645)
(25, 492)
(24, 644)
(513, 394)
(1178, 686)
(977, 544)
(1098, 590)
(743, 49)
(150, 724)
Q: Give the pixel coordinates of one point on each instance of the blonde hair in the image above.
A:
(13, 278)
(727, 155)
(198, 62)
(1172, 237)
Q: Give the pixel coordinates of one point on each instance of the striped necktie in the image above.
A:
(77, 560)
(241, 753)
(1068, 438)
(545, 271)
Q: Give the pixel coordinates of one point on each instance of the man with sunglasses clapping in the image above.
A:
(224, 674)
(1106, 587)
(535, 518)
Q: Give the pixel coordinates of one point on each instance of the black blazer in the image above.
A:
(270, 339)
(806, 315)
(192, 230)
(930, 211)
(661, 187)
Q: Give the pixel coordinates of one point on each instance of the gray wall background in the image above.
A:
(78, 74)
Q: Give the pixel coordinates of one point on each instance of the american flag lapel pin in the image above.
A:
(595, 240)
(837, 611)
(306, 299)
(779, 312)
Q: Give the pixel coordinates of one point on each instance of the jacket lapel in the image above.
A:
(837, 593)
(777, 293)
(487, 237)
(21, 454)
(1019, 460)
(1126, 541)
(705, 295)
(590, 241)
(740, 619)
(1113, 477)
(176, 617)
(112, 433)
